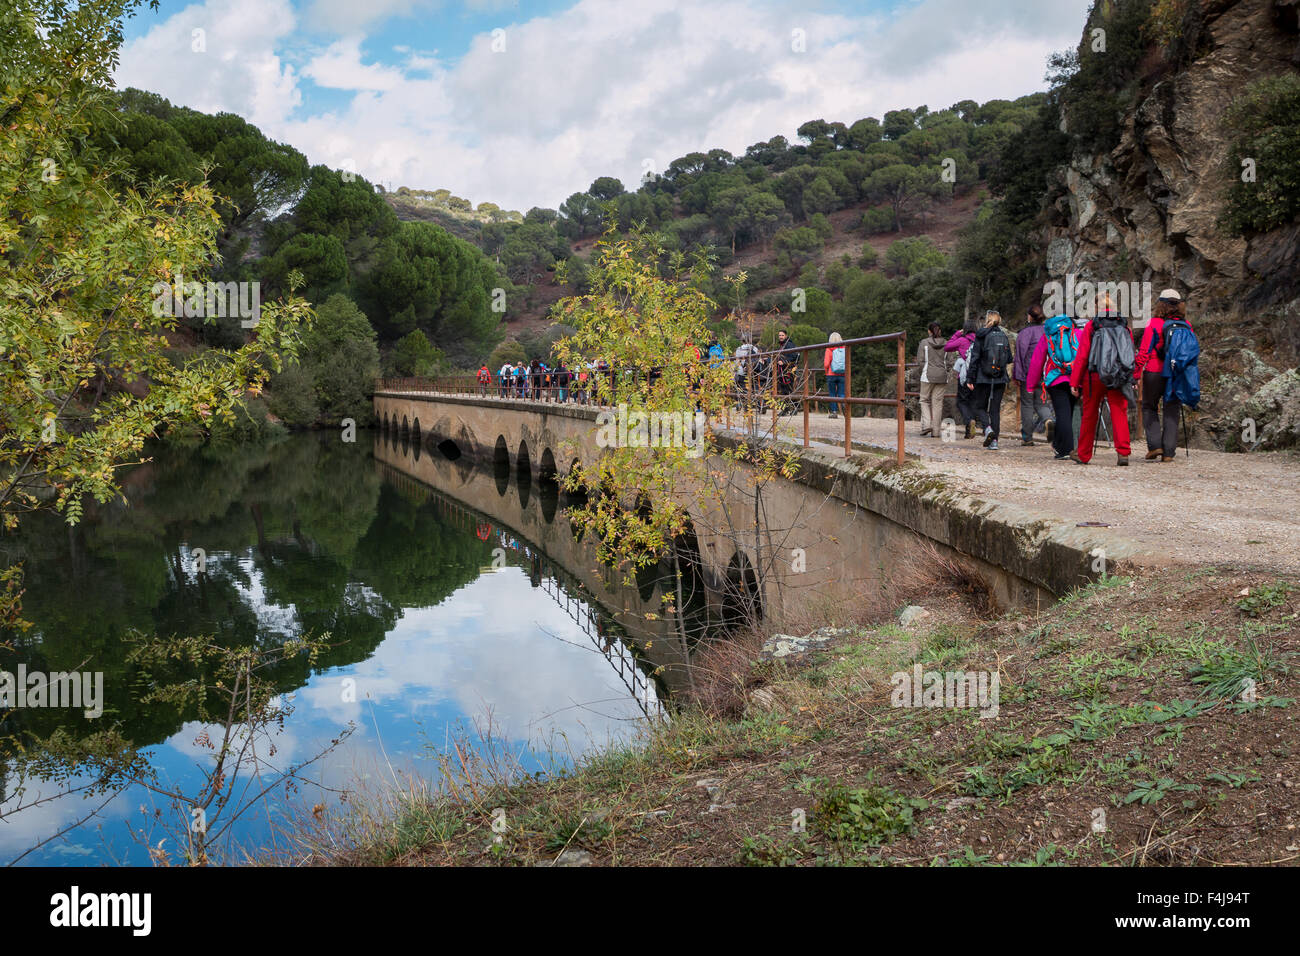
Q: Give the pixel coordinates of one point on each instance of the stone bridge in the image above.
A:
(839, 528)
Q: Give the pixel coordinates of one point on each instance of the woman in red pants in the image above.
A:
(1086, 385)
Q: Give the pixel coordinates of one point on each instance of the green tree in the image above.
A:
(904, 188)
(414, 354)
(88, 375)
(912, 255)
(1265, 125)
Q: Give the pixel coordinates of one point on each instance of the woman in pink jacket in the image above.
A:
(1162, 436)
(960, 343)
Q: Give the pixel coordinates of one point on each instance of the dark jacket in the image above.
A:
(977, 374)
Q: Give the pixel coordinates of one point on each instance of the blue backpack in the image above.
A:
(837, 361)
(1062, 347)
(1180, 351)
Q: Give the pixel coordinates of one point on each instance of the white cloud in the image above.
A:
(236, 69)
(600, 87)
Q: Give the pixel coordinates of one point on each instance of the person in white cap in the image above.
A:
(1161, 431)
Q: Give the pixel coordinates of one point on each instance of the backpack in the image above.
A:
(1062, 346)
(715, 355)
(837, 361)
(1180, 350)
(1111, 354)
(995, 355)
(959, 369)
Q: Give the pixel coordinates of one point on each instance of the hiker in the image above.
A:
(1034, 409)
(521, 379)
(932, 357)
(785, 362)
(562, 382)
(988, 371)
(960, 343)
(1049, 366)
(535, 387)
(747, 367)
(1161, 431)
(833, 361)
(503, 378)
(1103, 369)
(484, 379)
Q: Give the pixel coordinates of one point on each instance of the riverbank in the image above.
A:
(1139, 721)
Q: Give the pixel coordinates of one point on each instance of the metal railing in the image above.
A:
(772, 381)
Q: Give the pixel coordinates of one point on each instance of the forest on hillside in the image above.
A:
(415, 281)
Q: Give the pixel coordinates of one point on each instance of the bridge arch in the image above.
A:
(546, 469)
(522, 462)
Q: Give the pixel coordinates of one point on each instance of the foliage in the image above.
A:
(864, 816)
(336, 369)
(414, 355)
(1264, 124)
(639, 318)
(88, 375)
(912, 255)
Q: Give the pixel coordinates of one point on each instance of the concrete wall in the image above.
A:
(840, 528)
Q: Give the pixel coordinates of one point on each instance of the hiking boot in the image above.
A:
(992, 446)
(989, 437)
(1074, 457)
(1168, 458)
(1153, 454)
(1062, 457)
(833, 416)
(1027, 443)
(926, 431)
(1123, 461)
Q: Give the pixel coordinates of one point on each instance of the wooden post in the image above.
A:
(900, 408)
(805, 398)
(844, 405)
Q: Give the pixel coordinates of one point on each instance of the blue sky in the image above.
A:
(523, 103)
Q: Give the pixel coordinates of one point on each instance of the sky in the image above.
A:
(523, 103)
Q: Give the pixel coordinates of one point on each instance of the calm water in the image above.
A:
(440, 617)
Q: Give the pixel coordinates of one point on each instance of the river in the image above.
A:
(440, 620)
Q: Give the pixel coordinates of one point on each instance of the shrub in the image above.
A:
(1265, 124)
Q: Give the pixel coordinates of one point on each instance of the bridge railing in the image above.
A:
(771, 382)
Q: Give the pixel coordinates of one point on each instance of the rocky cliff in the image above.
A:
(1150, 209)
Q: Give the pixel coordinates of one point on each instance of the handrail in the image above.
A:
(751, 401)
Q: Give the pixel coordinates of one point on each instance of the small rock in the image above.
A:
(709, 783)
(763, 699)
(959, 802)
(573, 858)
(1001, 857)
(911, 614)
(984, 839)
(715, 807)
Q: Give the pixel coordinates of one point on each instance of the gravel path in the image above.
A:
(1211, 507)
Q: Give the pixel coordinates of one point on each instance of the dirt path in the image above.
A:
(1211, 507)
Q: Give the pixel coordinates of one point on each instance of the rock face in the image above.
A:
(1149, 210)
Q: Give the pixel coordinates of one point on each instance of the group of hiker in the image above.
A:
(538, 380)
(1064, 370)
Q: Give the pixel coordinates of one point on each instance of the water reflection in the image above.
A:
(438, 613)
